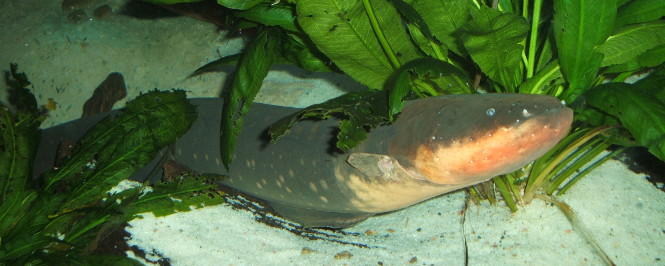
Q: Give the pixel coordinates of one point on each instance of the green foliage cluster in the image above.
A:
(418, 48)
(62, 218)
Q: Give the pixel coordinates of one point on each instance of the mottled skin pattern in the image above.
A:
(437, 145)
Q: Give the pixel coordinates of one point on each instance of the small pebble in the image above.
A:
(413, 260)
(102, 12)
(77, 16)
(343, 255)
(306, 251)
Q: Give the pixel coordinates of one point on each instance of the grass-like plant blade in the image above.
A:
(586, 170)
(252, 68)
(493, 39)
(573, 163)
(542, 169)
(579, 26)
(506, 193)
(578, 226)
(342, 31)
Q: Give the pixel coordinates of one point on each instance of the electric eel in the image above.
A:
(436, 145)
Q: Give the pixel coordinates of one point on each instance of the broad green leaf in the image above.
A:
(239, 4)
(170, 2)
(295, 51)
(271, 15)
(630, 41)
(654, 85)
(341, 30)
(444, 18)
(493, 41)
(639, 112)
(543, 81)
(117, 147)
(419, 31)
(19, 135)
(580, 26)
(650, 58)
(252, 68)
(360, 110)
(185, 194)
(440, 76)
(639, 11)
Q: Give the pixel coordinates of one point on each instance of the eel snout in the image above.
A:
(468, 140)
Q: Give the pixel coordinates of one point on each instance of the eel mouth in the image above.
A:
(504, 149)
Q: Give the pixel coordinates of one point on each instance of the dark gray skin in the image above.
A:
(437, 145)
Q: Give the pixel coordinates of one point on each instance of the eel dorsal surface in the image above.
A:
(437, 145)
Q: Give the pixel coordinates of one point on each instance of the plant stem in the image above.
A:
(502, 185)
(379, 35)
(533, 37)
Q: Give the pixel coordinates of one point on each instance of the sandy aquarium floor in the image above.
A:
(66, 61)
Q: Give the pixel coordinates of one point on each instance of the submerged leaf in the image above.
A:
(579, 26)
(441, 77)
(631, 41)
(117, 147)
(252, 68)
(271, 15)
(639, 11)
(359, 110)
(639, 112)
(189, 192)
(444, 19)
(493, 41)
(341, 30)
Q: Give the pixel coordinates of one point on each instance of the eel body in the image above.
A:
(436, 145)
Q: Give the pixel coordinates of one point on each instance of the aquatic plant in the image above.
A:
(402, 49)
(62, 218)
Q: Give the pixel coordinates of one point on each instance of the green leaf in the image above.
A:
(361, 110)
(19, 136)
(544, 81)
(444, 19)
(117, 147)
(631, 41)
(650, 58)
(580, 26)
(252, 68)
(493, 41)
(271, 15)
(295, 51)
(639, 112)
(639, 11)
(438, 76)
(170, 2)
(181, 195)
(239, 4)
(419, 31)
(341, 30)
